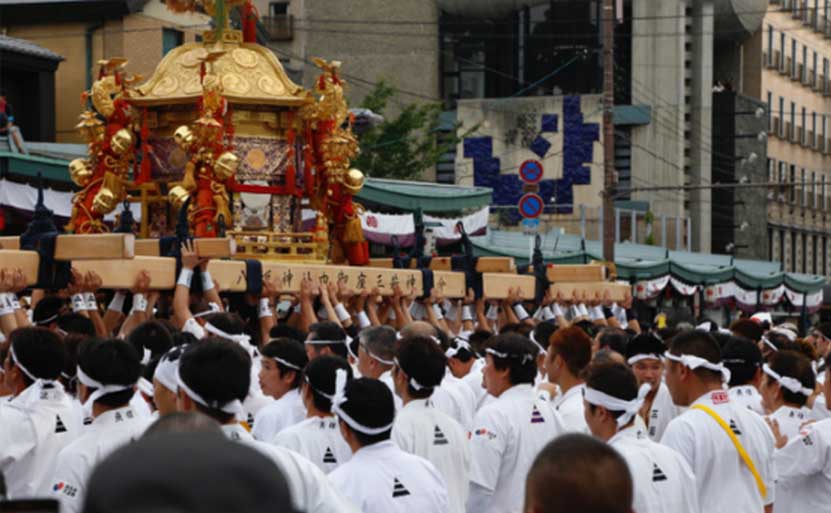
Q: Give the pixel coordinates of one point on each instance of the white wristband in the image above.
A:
(584, 312)
(391, 315)
(139, 303)
(5, 304)
(557, 310)
(548, 314)
(207, 281)
(79, 303)
(520, 312)
(117, 304)
(265, 308)
(467, 313)
(597, 314)
(363, 320)
(92, 303)
(437, 312)
(342, 313)
(185, 277)
(493, 312)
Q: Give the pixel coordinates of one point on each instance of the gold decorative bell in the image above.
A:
(80, 172)
(353, 182)
(90, 127)
(184, 137)
(226, 166)
(122, 141)
(177, 196)
(105, 201)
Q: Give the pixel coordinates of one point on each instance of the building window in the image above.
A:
(792, 188)
(804, 254)
(804, 135)
(804, 187)
(824, 140)
(804, 63)
(814, 255)
(793, 252)
(814, 66)
(782, 46)
(793, 120)
(770, 111)
(278, 8)
(171, 38)
(771, 243)
(822, 193)
(813, 189)
(793, 57)
(782, 247)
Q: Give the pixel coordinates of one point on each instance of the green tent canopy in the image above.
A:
(636, 262)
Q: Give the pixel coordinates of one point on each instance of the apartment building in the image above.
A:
(796, 84)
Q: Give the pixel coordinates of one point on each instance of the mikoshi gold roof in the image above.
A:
(249, 74)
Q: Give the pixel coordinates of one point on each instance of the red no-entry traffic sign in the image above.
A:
(531, 171)
(531, 206)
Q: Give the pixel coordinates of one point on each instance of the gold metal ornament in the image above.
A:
(353, 182)
(226, 165)
(122, 141)
(90, 127)
(178, 195)
(105, 201)
(80, 171)
(184, 137)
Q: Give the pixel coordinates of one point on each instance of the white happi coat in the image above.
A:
(381, 478)
(663, 481)
(34, 427)
(108, 432)
(319, 440)
(725, 485)
(422, 429)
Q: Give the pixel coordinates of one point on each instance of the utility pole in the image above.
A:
(609, 173)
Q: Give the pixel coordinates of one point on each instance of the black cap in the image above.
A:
(187, 473)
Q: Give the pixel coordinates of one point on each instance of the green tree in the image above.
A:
(405, 146)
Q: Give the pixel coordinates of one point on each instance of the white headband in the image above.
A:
(321, 392)
(241, 339)
(792, 384)
(212, 309)
(340, 397)
(232, 407)
(101, 389)
(47, 320)
(145, 387)
(375, 356)
(694, 362)
(533, 339)
(349, 347)
(768, 343)
(24, 370)
(704, 326)
(413, 383)
(523, 358)
(629, 408)
(146, 356)
(286, 363)
(788, 334)
(324, 342)
(643, 356)
(460, 345)
(165, 372)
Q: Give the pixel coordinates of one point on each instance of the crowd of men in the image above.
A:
(334, 401)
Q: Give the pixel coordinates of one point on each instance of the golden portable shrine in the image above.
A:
(220, 130)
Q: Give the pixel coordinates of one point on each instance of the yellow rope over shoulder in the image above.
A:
(739, 447)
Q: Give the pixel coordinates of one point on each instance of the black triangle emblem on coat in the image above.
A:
(398, 489)
(658, 474)
(536, 416)
(439, 438)
(734, 428)
(329, 456)
(59, 425)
